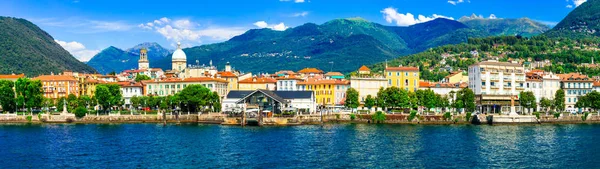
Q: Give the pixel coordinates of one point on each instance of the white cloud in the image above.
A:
(578, 2)
(295, 1)
(278, 27)
(492, 16)
(300, 14)
(190, 33)
(569, 6)
(454, 2)
(78, 50)
(391, 15)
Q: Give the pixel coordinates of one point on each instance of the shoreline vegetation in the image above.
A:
(223, 119)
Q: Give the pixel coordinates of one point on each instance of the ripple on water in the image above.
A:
(312, 146)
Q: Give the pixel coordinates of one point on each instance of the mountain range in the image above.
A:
(340, 44)
(25, 48)
(113, 59)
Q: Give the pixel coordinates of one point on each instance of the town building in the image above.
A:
(334, 75)
(311, 72)
(255, 83)
(302, 102)
(575, 85)
(12, 77)
(130, 89)
(288, 82)
(231, 78)
(456, 77)
(496, 85)
(178, 60)
(143, 62)
(171, 86)
(367, 83)
(329, 93)
(443, 89)
(406, 78)
(534, 83)
(551, 84)
(57, 86)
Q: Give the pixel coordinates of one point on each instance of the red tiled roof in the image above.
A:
(226, 74)
(596, 83)
(402, 69)
(310, 70)
(191, 79)
(334, 74)
(364, 68)
(129, 84)
(55, 78)
(12, 76)
(291, 77)
(258, 80)
(573, 77)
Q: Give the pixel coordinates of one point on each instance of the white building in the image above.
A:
(495, 84)
(287, 83)
(130, 89)
(575, 85)
(171, 86)
(178, 60)
(534, 84)
(367, 84)
(551, 85)
(302, 102)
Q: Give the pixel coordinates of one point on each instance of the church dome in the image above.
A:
(179, 54)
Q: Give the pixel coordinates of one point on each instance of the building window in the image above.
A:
(390, 82)
(405, 73)
(389, 73)
(406, 82)
(397, 73)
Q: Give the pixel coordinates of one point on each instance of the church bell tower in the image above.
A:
(143, 62)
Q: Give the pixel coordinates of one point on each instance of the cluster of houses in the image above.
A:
(309, 90)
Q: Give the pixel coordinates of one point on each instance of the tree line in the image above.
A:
(395, 98)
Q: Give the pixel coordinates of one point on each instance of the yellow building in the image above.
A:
(56, 86)
(231, 78)
(254, 83)
(329, 93)
(406, 78)
(456, 77)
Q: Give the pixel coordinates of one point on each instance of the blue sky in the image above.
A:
(85, 27)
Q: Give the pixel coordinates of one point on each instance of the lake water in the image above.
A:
(328, 146)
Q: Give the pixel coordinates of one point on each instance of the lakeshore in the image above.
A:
(218, 118)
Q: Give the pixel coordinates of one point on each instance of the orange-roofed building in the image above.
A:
(12, 77)
(255, 83)
(171, 86)
(57, 86)
(310, 72)
(229, 77)
(443, 89)
(364, 70)
(330, 93)
(575, 85)
(406, 78)
(130, 89)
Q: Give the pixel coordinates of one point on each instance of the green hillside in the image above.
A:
(582, 22)
(113, 59)
(25, 48)
(507, 27)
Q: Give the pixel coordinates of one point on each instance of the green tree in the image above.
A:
(351, 99)
(60, 104)
(527, 100)
(559, 100)
(215, 102)
(139, 77)
(545, 104)
(381, 99)
(108, 95)
(469, 99)
(196, 97)
(72, 102)
(135, 102)
(80, 112)
(48, 102)
(7, 96)
(29, 93)
(84, 101)
(369, 102)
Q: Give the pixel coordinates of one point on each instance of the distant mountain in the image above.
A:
(505, 27)
(341, 45)
(582, 22)
(114, 59)
(25, 48)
